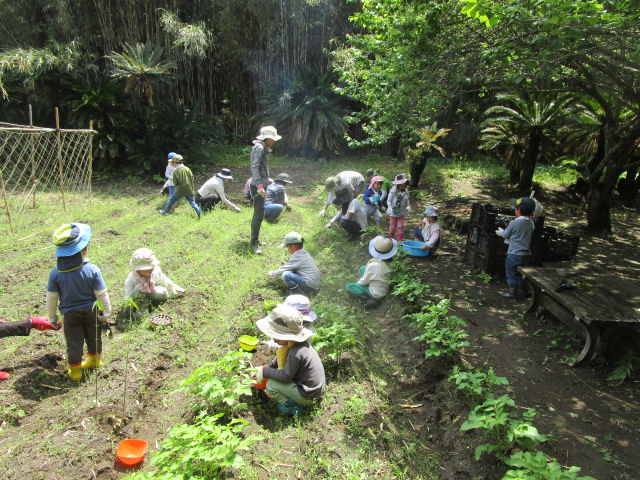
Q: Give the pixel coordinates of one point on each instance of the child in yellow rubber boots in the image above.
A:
(146, 284)
(77, 284)
(22, 328)
(296, 375)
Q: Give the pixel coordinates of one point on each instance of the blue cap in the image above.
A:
(171, 155)
(71, 238)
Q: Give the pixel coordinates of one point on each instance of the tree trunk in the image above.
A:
(598, 213)
(530, 159)
(514, 175)
(416, 168)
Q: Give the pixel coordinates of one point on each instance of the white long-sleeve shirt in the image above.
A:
(376, 276)
(216, 185)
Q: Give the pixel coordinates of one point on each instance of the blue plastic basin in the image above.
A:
(414, 248)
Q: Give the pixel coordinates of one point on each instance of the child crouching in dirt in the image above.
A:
(295, 377)
(429, 231)
(146, 284)
(375, 276)
(77, 284)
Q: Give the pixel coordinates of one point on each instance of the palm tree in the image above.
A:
(310, 112)
(501, 137)
(140, 66)
(426, 144)
(532, 118)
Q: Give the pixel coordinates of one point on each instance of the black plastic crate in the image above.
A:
(493, 217)
(469, 253)
(474, 234)
(491, 244)
(491, 264)
(475, 213)
(562, 246)
(539, 248)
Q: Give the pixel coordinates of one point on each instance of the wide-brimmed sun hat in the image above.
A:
(71, 238)
(400, 179)
(143, 259)
(383, 247)
(284, 323)
(526, 205)
(225, 173)
(303, 305)
(291, 238)
(431, 211)
(343, 194)
(269, 132)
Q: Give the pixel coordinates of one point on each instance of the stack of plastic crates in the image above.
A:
(487, 251)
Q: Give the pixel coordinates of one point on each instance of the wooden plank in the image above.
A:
(598, 297)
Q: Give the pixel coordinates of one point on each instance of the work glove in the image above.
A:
(261, 191)
(383, 209)
(41, 323)
(260, 374)
(408, 208)
(500, 231)
(328, 225)
(322, 213)
(272, 273)
(271, 345)
(376, 199)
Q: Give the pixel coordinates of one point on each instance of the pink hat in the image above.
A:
(374, 180)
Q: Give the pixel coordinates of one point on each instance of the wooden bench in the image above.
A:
(599, 302)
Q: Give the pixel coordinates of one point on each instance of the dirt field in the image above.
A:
(594, 423)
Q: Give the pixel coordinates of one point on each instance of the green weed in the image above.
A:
(476, 385)
(536, 466)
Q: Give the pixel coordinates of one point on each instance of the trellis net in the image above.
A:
(51, 162)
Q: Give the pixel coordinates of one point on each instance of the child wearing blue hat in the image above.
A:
(429, 231)
(76, 284)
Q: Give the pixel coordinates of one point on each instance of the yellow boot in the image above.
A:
(75, 372)
(93, 361)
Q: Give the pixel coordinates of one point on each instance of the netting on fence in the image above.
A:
(42, 160)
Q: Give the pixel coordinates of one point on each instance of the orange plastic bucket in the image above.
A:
(132, 450)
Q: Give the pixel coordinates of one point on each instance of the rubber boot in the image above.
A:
(255, 245)
(75, 372)
(94, 361)
(371, 304)
(290, 407)
(512, 293)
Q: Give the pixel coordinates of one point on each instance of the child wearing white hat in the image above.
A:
(146, 283)
(300, 273)
(375, 276)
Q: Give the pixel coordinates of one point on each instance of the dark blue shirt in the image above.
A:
(76, 286)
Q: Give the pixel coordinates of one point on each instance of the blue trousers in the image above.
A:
(514, 277)
(174, 198)
(272, 211)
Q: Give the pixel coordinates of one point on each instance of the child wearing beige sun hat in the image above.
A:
(295, 375)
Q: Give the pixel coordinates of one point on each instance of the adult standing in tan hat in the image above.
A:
(260, 179)
(295, 376)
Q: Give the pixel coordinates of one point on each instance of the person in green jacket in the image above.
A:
(183, 181)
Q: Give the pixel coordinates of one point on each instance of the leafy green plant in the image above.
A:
(626, 363)
(493, 415)
(484, 277)
(200, 450)
(12, 414)
(334, 339)
(221, 383)
(536, 466)
(476, 385)
(441, 333)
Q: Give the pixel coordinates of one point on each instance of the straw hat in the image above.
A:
(383, 247)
